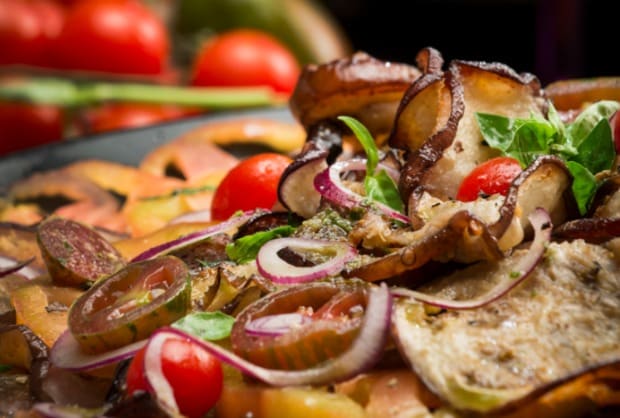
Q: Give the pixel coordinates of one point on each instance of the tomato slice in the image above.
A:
(129, 305)
(335, 309)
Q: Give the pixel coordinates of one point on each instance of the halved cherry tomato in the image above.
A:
(195, 376)
(115, 116)
(253, 183)
(490, 177)
(24, 126)
(130, 304)
(28, 29)
(118, 36)
(245, 57)
(335, 311)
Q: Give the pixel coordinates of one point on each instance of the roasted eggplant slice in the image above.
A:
(563, 321)
(360, 86)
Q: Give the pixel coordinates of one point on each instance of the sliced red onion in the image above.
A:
(329, 184)
(9, 266)
(362, 355)
(189, 239)
(52, 410)
(203, 215)
(66, 353)
(541, 222)
(274, 325)
(273, 267)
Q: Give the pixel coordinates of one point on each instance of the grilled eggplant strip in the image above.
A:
(562, 322)
(463, 237)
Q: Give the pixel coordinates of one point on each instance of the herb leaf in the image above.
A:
(210, 326)
(379, 186)
(496, 130)
(584, 185)
(246, 248)
(596, 152)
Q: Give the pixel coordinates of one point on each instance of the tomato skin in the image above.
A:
(196, 376)
(24, 126)
(490, 177)
(245, 57)
(253, 183)
(28, 29)
(118, 116)
(116, 36)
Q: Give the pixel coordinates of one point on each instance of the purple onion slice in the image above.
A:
(273, 267)
(9, 266)
(274, 325)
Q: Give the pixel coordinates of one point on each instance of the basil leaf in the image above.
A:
(531, 139)
(246, 248)
(381, 188)
(579, 130)
(584, 185)
(597, 151)
(497, 131)
(367, 141)
(210, 326)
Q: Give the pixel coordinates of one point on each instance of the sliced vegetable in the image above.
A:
(210, 326)
(246, 248)
(76, 254)
(9, 266)
(490, 177)
(271, 265)
(129, 305)
(192, 238)
(506, 280)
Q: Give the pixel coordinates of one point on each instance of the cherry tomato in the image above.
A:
(117, 36)
(245, 57)
(253, 183)
(23, 126)
(492, 176)
(117, 116)
(28, 29)
(195, 376)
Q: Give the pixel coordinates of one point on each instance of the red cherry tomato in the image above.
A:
(23, 126)
(123, 116)
(195, 376)
(28, 29)
(245, 57)
(253, 183)
(117, 36)
(492, 176)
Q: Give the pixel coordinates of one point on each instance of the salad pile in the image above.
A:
(437, 240)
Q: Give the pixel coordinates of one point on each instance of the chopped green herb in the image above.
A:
(246, 248)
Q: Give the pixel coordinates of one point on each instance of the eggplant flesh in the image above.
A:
(563, 321)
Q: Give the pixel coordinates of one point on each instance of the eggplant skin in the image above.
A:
(563, 321)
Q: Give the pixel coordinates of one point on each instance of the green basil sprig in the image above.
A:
(586, 145)
(246, 248)
(210, 326)
(378, 185)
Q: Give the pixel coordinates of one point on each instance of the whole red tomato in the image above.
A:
(117, 116)
(117, 36)
(251, 184)
(28, 29)
(23, 126)
(490, 177)
(195, 376)
(245, 57)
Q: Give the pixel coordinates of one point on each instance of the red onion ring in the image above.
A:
(329, 184)
(273, 267)
(66, 353)
(363, 354)
(275, 325)
(9, 266)
(184, 241)
(541, 222)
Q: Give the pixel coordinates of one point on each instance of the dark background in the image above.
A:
(553, 39)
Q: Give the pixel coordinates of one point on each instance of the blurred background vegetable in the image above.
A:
(74, 68)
